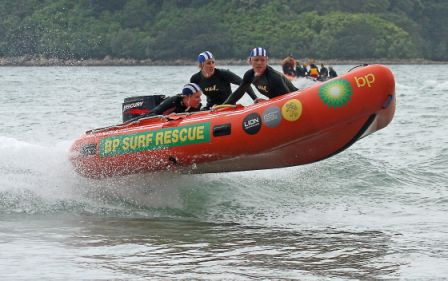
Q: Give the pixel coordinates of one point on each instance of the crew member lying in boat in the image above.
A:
(268, 81)
(188, 101)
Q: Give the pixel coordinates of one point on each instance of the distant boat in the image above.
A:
(294, 129)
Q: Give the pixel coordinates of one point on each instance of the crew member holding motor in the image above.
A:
(188, 101)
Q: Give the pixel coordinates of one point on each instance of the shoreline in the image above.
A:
(108, 61)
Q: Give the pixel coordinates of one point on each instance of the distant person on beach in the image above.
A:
(332, 73)
(187, 101)
(215, 82)
(289, 66)
(323, 73)
(268, 81)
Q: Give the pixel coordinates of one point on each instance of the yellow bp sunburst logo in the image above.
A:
(336, 93)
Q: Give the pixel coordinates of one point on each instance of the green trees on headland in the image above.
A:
(179, 29)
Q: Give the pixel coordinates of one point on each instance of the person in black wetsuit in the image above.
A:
(323, 73)
(188, 101)
(215, 82)
(268, 81)
(300, 71)
(289, 66)
(332, 73)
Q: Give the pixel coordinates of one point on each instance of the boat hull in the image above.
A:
(294, 129)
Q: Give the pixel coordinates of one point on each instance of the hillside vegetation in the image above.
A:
(180, 29)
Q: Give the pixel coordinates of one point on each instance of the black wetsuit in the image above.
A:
(300, 71)
(170, 105)
(217, 87)
(323, 72)
(288, 69)
(271, 84)
(332, 73)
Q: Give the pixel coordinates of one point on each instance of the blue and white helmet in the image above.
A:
(205, 56)
(190, 89)
(258, 52)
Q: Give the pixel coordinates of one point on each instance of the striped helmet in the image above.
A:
(205, 56)
(258, 52)
(190, 89)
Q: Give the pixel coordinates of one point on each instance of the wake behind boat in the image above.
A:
(294, 129)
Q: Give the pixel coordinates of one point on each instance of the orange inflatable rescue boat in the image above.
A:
(297, 128)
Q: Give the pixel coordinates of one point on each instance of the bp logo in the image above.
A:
(335, 93)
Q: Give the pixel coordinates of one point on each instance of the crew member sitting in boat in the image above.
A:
(289, 66)
(323, 73)
(314, 71)
(301, 71)
(188, 101)
(332, 73)
(215, 82)
(268, 81)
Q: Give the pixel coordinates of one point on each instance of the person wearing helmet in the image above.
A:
(188, 101)
(268, 81)
(300, 71)
(215, 82)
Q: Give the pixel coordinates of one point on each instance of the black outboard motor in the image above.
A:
(135, 106)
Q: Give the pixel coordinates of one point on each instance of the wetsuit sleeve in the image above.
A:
(289, 85)
(251, 93)
(244, 86)
(208, 105)
(231, 77)
(236, 80)
(194, 78)
(282, 85)
(165, 105)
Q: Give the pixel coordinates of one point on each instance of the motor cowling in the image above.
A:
(135, 106)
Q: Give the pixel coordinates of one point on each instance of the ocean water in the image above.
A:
(378, 210)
